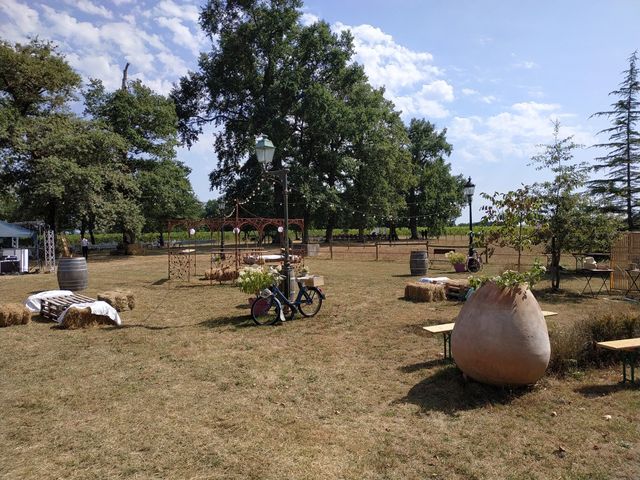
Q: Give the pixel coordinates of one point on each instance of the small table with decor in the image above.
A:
(602, 273)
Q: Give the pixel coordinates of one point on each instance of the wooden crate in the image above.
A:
(52, 307)
(312, 281)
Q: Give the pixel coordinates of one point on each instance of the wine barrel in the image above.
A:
(419, 262)
(73, 274)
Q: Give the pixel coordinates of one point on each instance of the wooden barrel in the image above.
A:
(72, 273)
(419, 262)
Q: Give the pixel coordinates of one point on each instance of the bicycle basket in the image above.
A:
(265, 293)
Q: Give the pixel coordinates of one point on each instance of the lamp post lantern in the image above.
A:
(264, 151)
(469, 188)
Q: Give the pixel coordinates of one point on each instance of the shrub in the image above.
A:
(456, 258)
(511, 278)
(255, 278)
(574, 347)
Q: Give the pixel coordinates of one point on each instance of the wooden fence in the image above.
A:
(624, 252)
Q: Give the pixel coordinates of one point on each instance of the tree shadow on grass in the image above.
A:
(592, 391)
(243, 321)
(162, 281)
(448, 392)
(563, 296)
(407, 275)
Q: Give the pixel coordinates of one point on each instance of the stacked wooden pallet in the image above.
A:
(52, 307)
(456, 289)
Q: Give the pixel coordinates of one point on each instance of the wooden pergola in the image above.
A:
(181, 259)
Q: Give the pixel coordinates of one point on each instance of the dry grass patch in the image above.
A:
(190, 388)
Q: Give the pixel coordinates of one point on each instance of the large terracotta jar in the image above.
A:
(500, 336)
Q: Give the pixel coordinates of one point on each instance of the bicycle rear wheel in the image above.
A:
(474, 264)
(265, 310)
(310, 302)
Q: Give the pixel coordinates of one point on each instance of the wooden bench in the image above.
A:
(629, 349)
(446, 328)
(52, 307)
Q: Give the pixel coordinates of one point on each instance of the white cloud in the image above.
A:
(102, 67)
(488, 99)
(181, 34)
(513, 134)
(22, 21)
(469, 91)
(427, 102)
(388, 63)
(87, 7)
(63, 25)
(183, 11)
(527, 65)
(308, 19)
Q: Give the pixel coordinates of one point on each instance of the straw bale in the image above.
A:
(83, 318)
(14, 314)
(223, 274)
(120, 300)
(424, 292)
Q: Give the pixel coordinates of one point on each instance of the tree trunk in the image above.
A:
(91, 236)
(331, 223)
(555, 265)
(305, 232)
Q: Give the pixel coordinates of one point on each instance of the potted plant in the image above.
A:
(458, 260)
(500, 336)
(255, 278)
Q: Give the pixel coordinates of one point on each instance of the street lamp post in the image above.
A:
(265, 150)
(222, 206)
(469, 188)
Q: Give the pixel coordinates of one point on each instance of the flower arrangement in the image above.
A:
(456, 258)
(255, 278)
(511, 278)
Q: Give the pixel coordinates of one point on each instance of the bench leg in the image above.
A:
(447, 345)
(630, 358)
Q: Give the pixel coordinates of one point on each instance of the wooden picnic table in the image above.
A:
(629, 350)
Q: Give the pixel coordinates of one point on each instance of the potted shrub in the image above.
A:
(458, 260)
(255, 278)
(500, 336)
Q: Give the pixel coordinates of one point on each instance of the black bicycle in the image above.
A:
(271, 304)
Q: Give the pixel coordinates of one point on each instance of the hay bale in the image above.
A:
(424, 292)
(211, 273)
(120, 300)
(83, 318)
(14, 314)
(223, 274)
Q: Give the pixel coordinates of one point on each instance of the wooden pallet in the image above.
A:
(52, 307)
(456, 291)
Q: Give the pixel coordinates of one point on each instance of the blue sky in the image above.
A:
(494, 73)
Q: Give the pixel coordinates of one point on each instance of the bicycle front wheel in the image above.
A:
(265, 311)
(310, 302)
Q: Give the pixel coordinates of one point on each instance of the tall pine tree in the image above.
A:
(622, 162)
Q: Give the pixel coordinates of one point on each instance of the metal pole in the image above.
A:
(287, 266)
(470, 228)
